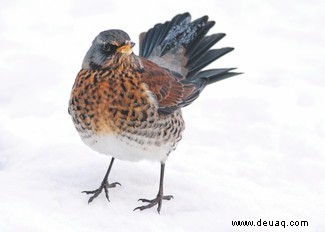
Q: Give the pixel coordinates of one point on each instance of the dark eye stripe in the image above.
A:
(109, 48)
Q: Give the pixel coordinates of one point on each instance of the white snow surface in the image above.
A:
(253, 147)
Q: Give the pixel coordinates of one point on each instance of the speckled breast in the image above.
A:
(112, 107)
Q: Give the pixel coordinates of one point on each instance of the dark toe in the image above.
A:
(157, 201)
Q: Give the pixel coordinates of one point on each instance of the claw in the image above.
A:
(104, 185)
(145, 200)
(160, 195)
(96, 192)
(153, 202)
(113, 185)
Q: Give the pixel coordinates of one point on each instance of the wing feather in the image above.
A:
(171, 92)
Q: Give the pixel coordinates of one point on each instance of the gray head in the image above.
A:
(104, 46)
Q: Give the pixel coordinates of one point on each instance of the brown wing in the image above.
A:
(172, 92)
(183, 47)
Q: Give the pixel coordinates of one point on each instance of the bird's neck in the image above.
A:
(125, 61)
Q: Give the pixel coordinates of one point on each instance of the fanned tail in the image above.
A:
(181, 46)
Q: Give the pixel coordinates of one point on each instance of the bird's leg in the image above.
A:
(104, 185)
(160, 196)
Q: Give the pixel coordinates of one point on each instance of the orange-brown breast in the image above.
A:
(106, 101)
(126, 102)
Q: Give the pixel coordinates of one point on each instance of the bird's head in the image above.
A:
(106, 48)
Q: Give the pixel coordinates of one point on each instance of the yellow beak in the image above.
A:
(126, 48)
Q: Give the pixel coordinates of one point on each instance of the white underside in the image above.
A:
(125, 149)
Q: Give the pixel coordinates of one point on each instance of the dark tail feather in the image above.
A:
(201, 62)
(203, 46)
(214, 75)
(181, 46)
(155, 36)
(182, 42)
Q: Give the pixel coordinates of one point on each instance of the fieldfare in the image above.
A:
(129, 106)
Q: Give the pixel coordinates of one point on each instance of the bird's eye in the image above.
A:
(107, 47)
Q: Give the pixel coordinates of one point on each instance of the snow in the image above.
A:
(254, 144)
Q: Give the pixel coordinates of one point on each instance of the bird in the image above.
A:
(129, 106)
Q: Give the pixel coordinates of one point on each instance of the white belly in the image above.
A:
(126, 149)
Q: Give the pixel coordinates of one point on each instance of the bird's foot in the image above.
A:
(105, 185)
(153, 202)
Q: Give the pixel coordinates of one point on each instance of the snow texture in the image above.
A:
(253, 147)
